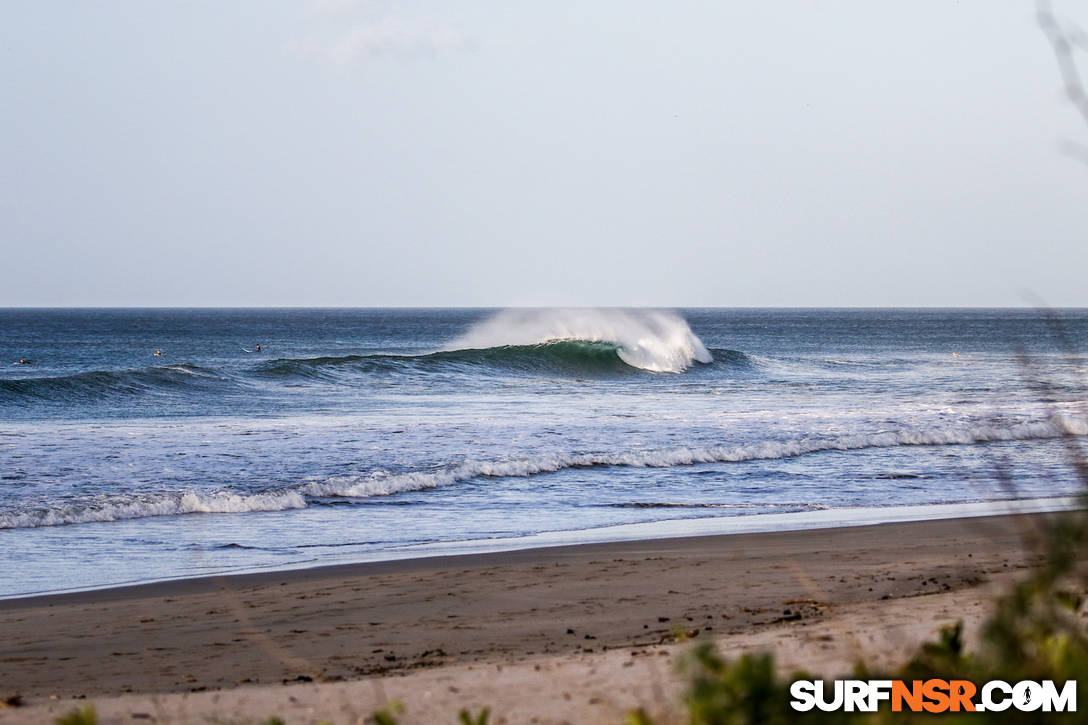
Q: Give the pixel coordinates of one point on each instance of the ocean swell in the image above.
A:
(98, 384)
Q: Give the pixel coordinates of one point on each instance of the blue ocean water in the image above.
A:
(351, 434)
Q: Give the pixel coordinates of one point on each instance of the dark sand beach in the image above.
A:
(229, 645)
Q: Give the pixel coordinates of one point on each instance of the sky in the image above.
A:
(610, 152)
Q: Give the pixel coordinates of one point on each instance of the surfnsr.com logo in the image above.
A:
(934, 696)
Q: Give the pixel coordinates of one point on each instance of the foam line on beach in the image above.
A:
(645, 531)
(828, 518)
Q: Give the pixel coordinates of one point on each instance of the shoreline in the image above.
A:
(662, 530)
(352, 623)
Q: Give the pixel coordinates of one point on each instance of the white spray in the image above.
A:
(652, 340)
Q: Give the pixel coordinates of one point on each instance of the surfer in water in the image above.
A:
(257, 347)
(24, 361)
(158, 353)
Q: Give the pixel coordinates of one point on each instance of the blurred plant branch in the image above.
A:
(1065, 39)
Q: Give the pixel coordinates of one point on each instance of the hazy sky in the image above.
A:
(355, 153)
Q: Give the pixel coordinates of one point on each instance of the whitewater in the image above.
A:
(647, 339)
(357, 434)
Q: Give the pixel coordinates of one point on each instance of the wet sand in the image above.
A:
(351, 635)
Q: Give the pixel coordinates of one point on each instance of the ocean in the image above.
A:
(362, 434)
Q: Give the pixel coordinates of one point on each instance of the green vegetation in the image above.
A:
(465, 717)
(80, 716)
(1037, 632)
(388, 714)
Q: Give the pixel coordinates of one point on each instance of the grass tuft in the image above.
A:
(85, 715)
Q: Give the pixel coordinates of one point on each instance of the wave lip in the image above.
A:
(652, 340)
(161, 505)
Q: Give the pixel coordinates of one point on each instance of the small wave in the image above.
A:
(164, 505)
(383, 484)
(98, 384)
(733, 358)
(315, 368)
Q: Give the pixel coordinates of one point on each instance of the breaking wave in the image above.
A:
(537, 343)
(383, 484)
(566, 357)
(147, 506)
(650, 340)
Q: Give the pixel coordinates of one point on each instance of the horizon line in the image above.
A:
(537, 307)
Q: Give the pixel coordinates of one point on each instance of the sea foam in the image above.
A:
(381, 483)
(153, 505)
